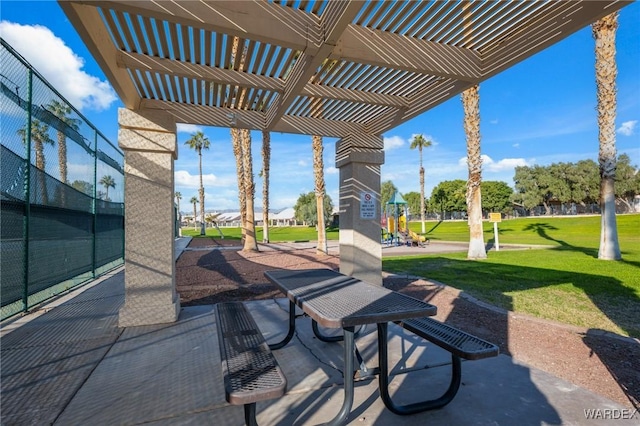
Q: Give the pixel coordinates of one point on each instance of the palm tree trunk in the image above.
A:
(237, 153)
(266, 160)
(62, 156)
(470, 101)
(62, 165)
(422, 193)
(195, 215)
(604, 32)
(39, 148)
(318, 172)
(202, 224)
(250, 242)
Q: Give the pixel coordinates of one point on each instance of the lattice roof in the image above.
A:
(332, 68)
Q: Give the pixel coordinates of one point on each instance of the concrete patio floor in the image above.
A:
(69, 364)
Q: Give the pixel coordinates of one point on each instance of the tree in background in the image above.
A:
(39, 137)
(387, 189)
(470, 103)
(108, 182)
(62, 111)
(178, 196)
(194, 201)
(533, 187)
(496, 197)
(627, 181)
(83, 186)
(249, 225)
(413, 202)
(420, 142)
(604, 33)
(198, 142)
(306, 211)
(449, 196)
(264, 173)
(318, 174)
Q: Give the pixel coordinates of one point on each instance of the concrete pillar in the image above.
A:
(359, 158)
(148, 140)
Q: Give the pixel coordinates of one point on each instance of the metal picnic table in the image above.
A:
(335, 300)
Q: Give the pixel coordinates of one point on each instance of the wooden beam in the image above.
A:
(559, 21)
(202, 72)
(375, 47)
(338, 16)
(252, 19)
(253, 120)
(87, 21)
(243, 79)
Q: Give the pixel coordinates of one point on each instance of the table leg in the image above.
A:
(292, 328)
(417, 407)
(349, 344)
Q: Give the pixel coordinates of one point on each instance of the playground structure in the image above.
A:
(396, 219)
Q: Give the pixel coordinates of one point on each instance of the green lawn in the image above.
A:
(566, 283)
(276, 234)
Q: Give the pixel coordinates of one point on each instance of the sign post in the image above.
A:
(495, 218)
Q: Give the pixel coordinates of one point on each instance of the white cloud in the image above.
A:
(188, 128)
(489, 165)
(393, 142)
(628, 127)
(516, 145)
(331, 170)
(59, 65)
(493, 121)
(185, 179)
(302, 163)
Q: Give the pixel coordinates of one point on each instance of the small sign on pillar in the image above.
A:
(367, 205)
(495, 218)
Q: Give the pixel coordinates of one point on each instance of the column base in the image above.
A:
(133, 315)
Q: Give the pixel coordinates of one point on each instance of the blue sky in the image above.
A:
(540, 111)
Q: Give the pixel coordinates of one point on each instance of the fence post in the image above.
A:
(94, 259)
(27, 192)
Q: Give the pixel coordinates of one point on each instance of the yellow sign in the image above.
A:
(495, 217)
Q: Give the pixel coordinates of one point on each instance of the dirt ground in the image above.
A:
(211, 271)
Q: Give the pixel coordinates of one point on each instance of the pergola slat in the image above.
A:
(350, 66)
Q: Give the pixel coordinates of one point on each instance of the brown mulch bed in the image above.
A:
(212, 271)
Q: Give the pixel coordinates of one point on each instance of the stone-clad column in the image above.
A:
(359, 158)
(148, 140)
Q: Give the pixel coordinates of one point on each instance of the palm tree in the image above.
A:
(420, 142)
(178, 196)
(250, 242)
(604, 33)
(39, 137)
(318, 174)
(108, 182)
(199, 141)
(241, 140)
(266, 159)
(62, 111)
(470, 102)
(194, 201)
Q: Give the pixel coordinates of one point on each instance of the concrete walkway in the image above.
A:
(70, 364)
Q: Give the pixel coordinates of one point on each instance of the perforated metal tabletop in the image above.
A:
(335, 300)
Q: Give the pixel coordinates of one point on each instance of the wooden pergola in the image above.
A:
(346, 69)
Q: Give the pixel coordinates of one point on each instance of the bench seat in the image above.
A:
(250, 370)
(456, 341)
(459, 343)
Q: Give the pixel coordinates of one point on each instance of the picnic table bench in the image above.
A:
(459, 343)
(249, 368)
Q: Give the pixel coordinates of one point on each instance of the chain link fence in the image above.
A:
(61, 191)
